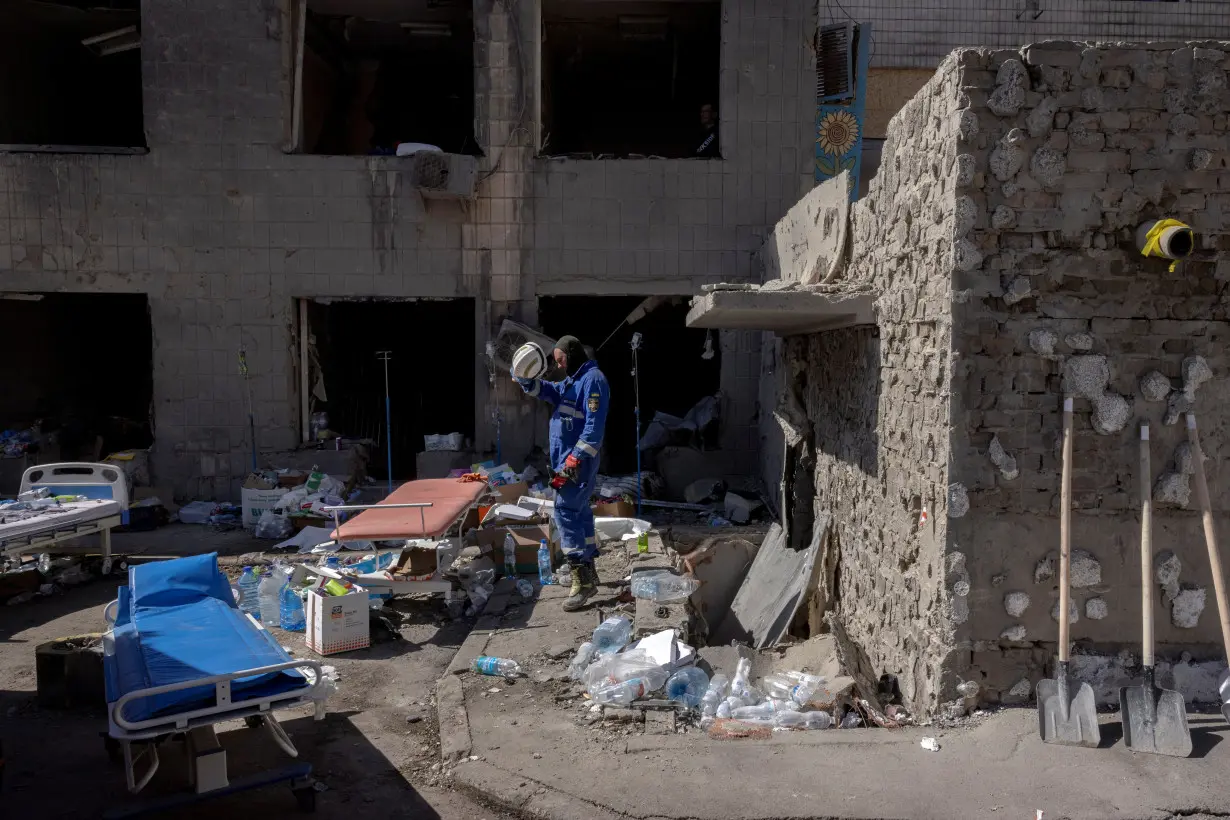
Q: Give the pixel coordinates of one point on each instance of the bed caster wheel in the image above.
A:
(306, 798)
(106, 566)
(254, 721)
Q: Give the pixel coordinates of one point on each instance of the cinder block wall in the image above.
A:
(1071, 147)
(223, 230)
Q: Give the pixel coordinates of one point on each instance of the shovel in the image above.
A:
(1210, 540)
(1067, 714)
(1154, 720)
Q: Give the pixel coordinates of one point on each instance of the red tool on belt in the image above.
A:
(569, 473)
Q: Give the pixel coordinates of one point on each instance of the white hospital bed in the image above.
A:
(106, 490)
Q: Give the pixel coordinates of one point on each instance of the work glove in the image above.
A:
(525, 384)
(569, 473)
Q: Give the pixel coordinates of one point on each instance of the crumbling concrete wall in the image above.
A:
(999, 235)
(1070, 147)
(877, 398)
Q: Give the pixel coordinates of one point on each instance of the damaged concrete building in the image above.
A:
(179, 181)
(931, 330)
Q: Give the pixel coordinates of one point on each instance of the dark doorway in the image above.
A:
(80, 368)
(431, 372)
(674, 375)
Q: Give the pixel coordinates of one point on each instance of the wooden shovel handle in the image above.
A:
(1146, 549)
(1065, 530)
(1210, 535)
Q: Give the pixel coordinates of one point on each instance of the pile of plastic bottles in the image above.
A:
(781, 700)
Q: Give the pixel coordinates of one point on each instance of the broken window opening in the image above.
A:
(375, 75)
(345, 338)
(81, 411)
(679, 365)
(70, 76)
(631, 79)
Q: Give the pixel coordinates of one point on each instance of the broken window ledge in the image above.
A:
(582, 156)
(791, 312)
(19, 148)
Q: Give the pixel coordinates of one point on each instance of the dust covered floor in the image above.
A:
(374, 752)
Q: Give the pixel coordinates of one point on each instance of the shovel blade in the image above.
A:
(1074, 723)
(1159, 727)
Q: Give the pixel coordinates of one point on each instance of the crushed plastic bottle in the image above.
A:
(968, 689)
(687, 686)
(740, 685)
(510, 555)
(663, 586)
(851, 720)
(818, 719)
(723, 710)
(290, 608)
(249, 585)
(501, 667)
(761, 710)
(581, 660)
(525, 588)
(612, 635)
(622, 693)
(44, 563)
(788, 719)
(714, 695)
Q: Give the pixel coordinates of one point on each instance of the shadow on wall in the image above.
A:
(843, 395)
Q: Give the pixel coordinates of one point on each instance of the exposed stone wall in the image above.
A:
(877, 398)
(1070, 147)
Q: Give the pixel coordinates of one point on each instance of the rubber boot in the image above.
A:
(584, 585)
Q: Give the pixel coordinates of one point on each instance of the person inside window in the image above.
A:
(707, 145)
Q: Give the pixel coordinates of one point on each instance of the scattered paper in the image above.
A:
(658, 647)
(930, 744)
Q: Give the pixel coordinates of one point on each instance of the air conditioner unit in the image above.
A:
(443, 176)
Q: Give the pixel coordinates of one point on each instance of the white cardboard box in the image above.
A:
(256, 503)
(338, 623)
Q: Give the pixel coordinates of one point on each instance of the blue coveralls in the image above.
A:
(580, 404)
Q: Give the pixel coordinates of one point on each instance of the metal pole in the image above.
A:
(384, 356)
(636, 387)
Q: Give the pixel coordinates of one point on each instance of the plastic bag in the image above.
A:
(291, 500)
(274, 526)
(624, 666)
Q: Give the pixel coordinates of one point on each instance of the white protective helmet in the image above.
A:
(529, 361)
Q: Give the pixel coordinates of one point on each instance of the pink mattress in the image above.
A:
(450, 499)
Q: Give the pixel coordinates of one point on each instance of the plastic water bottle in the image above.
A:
(612, 635)
(798, 691)
(663, 587)
(714, 695)
(545, 575)
(818, 720)
(761, 710)
(269, 594)
(510, 556)
(501, 667)
(332, 562)
(525, 588)
(622, 693)
(290, 609)
(688, 686)
(249, 585)
(740, 685)
(580, 661)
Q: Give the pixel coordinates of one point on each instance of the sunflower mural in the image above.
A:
(839, 121)
(839, 143)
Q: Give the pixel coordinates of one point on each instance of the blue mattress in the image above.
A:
(177, 621)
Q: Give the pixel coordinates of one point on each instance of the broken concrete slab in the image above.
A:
(784, 313)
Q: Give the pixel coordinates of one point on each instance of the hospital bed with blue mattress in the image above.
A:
(181, 656)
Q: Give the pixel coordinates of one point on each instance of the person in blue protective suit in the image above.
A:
(579, 404)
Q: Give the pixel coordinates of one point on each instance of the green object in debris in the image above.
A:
(642, 542)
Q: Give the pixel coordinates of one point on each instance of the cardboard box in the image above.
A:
(256, 503)
(617, 509)
(338, 623)
(527, 538)
(509, 493)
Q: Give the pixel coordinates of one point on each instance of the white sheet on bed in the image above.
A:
(69, 514)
